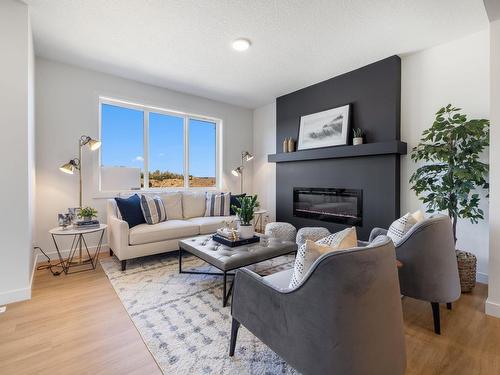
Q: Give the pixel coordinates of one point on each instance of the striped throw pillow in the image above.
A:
(153, 209)
(218, 204)
(400, 227)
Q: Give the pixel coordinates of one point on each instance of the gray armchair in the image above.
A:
(429, 271)
(344, 318)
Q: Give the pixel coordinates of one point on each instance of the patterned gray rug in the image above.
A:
(181, 319)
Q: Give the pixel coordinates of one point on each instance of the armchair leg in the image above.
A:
(448, 305)
(124, 265)
(235, 325)
(110, 252)
(437, 320)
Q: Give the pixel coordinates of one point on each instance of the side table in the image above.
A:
(259, 220)
(78, 245)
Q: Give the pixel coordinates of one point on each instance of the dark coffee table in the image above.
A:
(228, 259)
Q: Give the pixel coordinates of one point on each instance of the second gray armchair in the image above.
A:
(430, 271)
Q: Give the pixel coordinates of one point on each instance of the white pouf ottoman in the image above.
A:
(283, 231)
(311, 233)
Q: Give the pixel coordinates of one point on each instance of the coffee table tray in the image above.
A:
(230, 243)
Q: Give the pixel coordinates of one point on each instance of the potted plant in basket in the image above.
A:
(87, 213)
(451, 149)
(245, 213)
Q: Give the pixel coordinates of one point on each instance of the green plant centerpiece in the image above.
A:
(453, 171)
(87, 213)
(245, 213)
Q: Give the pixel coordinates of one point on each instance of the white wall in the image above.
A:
(264, 179)
(456, 73)
(16, 153)
(493, 302)
(67, 107)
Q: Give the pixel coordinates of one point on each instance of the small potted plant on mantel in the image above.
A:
(453, 173)
(357, 136)
(245, 213)
(87, 213)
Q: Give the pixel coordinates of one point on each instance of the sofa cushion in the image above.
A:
(210, 224)
(166, 230)
(193, 204)
(173, 205)
(130, 210)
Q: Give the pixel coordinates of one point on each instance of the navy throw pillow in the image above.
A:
(234, 201)
(131, 211)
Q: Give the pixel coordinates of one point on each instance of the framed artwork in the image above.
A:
(324, 129)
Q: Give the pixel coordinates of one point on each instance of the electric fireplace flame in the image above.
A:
(344, 206)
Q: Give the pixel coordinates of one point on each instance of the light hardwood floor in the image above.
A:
(76, 324)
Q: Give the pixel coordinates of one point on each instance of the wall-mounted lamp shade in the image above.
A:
(70, 166)
(236, 172)
(247, 156)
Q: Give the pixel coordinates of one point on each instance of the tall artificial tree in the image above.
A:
(453, 171)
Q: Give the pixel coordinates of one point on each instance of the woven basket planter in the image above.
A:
(466, 270)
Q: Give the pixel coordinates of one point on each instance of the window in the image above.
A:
(177, 150)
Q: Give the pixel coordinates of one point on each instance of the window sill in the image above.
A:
(112, 194)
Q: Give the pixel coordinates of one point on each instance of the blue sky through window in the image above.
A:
(123, 145)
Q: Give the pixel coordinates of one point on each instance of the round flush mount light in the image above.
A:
(241, 44)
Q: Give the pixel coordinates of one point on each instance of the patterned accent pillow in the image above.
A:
(400, 227)
(310, 251)
(218, 204)
(153, 209)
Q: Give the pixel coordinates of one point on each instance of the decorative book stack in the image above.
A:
(86, 224)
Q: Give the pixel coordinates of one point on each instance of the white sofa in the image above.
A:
(185, 212)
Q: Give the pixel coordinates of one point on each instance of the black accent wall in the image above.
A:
(374, 93)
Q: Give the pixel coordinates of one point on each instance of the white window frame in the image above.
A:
(147, 109)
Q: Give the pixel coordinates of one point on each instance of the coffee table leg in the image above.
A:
(180, 260)
(224, 297)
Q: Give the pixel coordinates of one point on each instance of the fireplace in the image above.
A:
(336, 205)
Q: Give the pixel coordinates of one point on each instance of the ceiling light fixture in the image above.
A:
(241, 44)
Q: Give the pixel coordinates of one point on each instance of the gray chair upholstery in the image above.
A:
(344, 318)
(311, 233)
(429, 271)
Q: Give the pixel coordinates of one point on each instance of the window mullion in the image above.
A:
(146, 150)
(186, 152)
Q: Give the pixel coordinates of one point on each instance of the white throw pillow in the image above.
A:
(310, 251)
(193, 204)
(400, 227)
(218, 204)
(173, 205)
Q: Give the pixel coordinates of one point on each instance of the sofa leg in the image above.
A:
(110, 252)
(235, 325)
(124, 265)
(435, 315)
(448, 305)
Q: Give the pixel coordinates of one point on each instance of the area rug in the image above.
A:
(181, 319)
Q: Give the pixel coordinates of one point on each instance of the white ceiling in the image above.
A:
(185, 44)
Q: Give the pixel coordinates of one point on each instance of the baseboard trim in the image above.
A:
(492, 308)
(482, 278)
(16, 295)
(65, 253)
